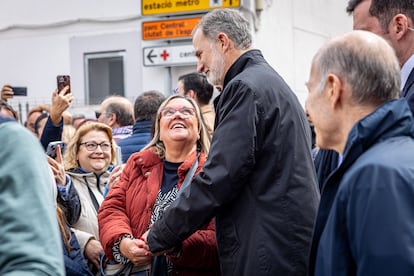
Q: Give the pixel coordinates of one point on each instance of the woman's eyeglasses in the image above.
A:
(185, 112)
(92, 146)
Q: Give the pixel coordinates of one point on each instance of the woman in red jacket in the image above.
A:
(149, 183)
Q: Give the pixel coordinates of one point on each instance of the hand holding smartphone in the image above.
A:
(19, 91)
(51, 148)
(62, 81)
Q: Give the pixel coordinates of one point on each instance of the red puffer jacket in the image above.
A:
(128, 207)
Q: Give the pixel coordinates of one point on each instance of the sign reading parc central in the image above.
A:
(169, 29)
(156, 7)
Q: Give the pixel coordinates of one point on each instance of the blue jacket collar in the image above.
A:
(142, 127)
(391, 119)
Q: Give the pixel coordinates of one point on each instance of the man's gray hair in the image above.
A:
(228, 21)
(118, 105)
(363, 61)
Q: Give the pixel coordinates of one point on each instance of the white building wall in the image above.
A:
(292, 31)
(48, 38)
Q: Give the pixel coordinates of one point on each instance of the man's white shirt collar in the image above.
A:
(406, 70)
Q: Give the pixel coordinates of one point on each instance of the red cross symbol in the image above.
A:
(164, 55)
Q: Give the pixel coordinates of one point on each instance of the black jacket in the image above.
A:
(259, 179)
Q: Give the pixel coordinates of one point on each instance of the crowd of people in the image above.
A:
(172, 186)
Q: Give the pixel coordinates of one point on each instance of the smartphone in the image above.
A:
(51, 148)
(62, 81)
(118, 155)
(19, 91)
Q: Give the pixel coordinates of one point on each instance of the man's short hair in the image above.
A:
(117, 105)
(352, 4)
(228, 21)
(200, 85)
(371, 79)
(385, 10)
(147, 104)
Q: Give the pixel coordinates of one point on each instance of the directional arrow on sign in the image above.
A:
(150, 56)
(169, 55)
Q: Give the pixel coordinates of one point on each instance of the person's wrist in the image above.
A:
(55, 117)
(123, 246)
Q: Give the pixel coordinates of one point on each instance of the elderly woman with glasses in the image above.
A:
(150, 182)
(88, 162)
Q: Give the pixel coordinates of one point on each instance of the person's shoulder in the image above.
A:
(134, 138)
(4, 119)
(374, 166)
(146, 157)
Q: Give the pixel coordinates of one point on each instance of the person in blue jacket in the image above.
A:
(365, 219)
(75, 263)
(145, 109)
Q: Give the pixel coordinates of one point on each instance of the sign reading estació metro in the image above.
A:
(169, 29)
(155, 7)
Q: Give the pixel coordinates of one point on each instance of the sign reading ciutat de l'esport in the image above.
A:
(157, 7)
(169, 28)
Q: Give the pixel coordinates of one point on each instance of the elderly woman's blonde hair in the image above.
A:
(71, 154)
(203, 144)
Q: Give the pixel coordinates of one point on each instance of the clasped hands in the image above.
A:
(138, 251)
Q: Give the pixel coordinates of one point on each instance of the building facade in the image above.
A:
(129, 46)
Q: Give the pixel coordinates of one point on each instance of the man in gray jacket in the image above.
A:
(259, 180)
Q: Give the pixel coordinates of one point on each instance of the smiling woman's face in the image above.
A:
(97, 160)
(178, 123)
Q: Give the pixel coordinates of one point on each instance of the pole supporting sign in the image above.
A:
(157, 7)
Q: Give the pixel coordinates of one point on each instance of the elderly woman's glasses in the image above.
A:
(169, 112)
(92, 146)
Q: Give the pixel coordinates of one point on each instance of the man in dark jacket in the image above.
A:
(145, 109)
(259, 181)
(365, 220)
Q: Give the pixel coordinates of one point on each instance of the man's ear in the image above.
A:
(334, 90)
(398, 26)
(191, 94)
(112, 120)
(224, 42)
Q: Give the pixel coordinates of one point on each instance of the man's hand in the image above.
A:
(146, 247)
(60, 103)
(6, 92)
(93, 249)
